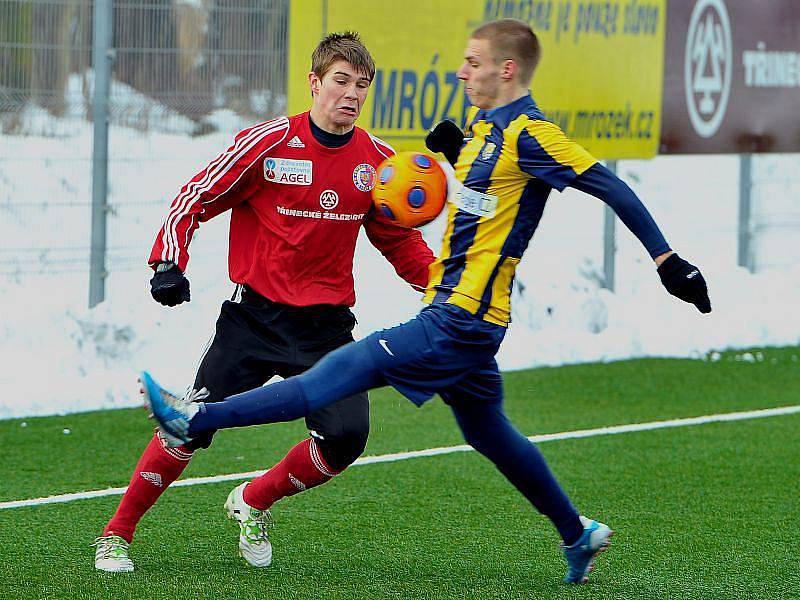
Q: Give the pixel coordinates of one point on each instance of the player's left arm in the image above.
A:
(548, 154)
(404, 248)
(601, 183)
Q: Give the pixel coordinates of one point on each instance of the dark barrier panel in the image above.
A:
(731, 77)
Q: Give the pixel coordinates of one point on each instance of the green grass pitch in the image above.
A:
(707, 511)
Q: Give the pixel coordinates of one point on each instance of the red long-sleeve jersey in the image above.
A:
(297, 207)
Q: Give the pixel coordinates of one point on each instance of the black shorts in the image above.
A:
(256, 339)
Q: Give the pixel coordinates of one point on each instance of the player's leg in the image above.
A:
(158, 466)
(338, 432)
(338, 437)
(224, 369)
(476, 402)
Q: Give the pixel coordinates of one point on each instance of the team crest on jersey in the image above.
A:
(288, 171)
(329, 199)
(488, 150)
(364, 177)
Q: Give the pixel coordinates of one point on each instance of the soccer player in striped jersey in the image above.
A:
(508, 163)
(298, 189)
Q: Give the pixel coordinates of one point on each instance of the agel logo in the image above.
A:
(288, 171)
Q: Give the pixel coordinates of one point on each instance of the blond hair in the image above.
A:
(512, 39)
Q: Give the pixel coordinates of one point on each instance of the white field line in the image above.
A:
(368, 460)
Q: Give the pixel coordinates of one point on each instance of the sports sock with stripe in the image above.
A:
(302, 468)
(158, 467)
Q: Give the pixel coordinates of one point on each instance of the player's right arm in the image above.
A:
(222, 184)
(404, 248)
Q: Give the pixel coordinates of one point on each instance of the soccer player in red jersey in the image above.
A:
(299, 191)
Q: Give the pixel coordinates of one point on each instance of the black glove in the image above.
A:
(169, 286)
(683, 280)
(446, 138)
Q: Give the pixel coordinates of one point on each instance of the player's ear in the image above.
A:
(314, 83)
(509, 70)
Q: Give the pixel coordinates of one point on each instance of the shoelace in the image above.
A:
(193, 395)
(188, 398)
(109, 544)
(261, 523)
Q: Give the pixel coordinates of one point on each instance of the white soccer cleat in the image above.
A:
(254, 545)
(111, 554)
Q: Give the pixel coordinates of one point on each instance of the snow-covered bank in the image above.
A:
(57, 356)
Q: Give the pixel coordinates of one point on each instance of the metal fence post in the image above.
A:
(745, 188)
(609, 238)
(102, 27)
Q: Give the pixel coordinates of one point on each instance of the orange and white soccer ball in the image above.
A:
(411, 189)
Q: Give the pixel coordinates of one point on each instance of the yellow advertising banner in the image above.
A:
(600, 77)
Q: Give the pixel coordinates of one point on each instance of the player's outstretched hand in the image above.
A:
(169, 286)
(685, 281)
(446, 138)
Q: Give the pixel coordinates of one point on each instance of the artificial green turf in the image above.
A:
(701, 512)
(102, 447)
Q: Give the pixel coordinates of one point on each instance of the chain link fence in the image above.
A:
(186, 75)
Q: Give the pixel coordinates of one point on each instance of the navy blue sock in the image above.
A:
(342, 373)
(487, 429)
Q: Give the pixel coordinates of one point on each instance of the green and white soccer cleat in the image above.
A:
(111, 554)
(254, 544)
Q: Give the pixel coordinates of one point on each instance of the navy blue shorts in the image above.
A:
(444, 350)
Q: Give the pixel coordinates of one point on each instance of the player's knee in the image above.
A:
(474, 438)
(340, 448)
(481, 426)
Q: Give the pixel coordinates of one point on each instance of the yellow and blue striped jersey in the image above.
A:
(511, 159)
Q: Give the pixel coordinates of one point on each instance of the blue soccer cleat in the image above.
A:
(172, 413)
(580, 556)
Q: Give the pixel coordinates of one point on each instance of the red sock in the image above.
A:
(158, 467)
(302, 468)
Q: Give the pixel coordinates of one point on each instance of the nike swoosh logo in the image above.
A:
(385, 346)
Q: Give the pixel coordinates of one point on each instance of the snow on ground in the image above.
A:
(57, 356)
